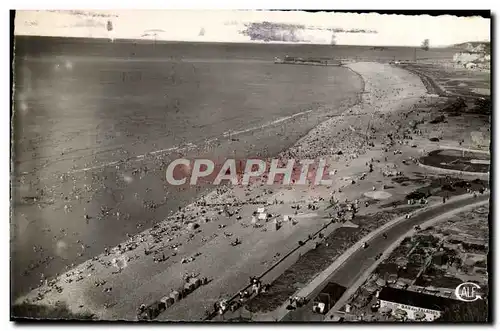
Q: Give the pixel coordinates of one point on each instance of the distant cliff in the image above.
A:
(475, 47)
(473, 51)
(474, 55)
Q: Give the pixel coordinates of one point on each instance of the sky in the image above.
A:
(225, 26)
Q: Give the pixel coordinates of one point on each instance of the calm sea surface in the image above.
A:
(82, 104)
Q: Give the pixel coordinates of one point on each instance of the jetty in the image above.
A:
(307, 61)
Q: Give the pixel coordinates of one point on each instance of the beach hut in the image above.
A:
(189, 287)
(154, 310)
(223, 306)
(175, 295)
(167, 301)
(196, 282)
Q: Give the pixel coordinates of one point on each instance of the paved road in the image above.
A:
(360, 261)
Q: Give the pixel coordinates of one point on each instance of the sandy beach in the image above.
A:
(197, 239)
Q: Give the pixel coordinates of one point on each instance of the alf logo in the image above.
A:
(467, 292)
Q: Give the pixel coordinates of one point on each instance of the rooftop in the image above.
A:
(415, 299)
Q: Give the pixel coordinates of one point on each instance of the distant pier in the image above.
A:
(307, 61)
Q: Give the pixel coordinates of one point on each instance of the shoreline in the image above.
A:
(210, 192)
(311, 150)
(268, 131)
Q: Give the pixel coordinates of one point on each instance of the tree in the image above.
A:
(425, 44)
(476, 311)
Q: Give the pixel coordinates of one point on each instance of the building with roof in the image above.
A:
(413, 305)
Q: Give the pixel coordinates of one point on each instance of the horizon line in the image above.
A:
(157, 41)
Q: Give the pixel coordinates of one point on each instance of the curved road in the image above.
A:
(362, 259)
